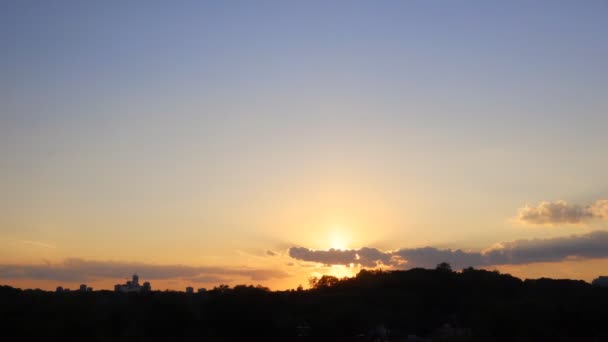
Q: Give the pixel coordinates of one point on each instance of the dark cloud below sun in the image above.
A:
(585, 246)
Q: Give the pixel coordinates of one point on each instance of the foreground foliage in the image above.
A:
(472, 305)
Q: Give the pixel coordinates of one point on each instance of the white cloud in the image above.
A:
(600, 209)
(551, 213)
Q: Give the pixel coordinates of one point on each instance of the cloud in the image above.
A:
(372, 257)
(591, 245)
(586, 246)
(554, 213)
(87, 270)
(600, 209)
(38, 244)
(210, 279)
(270, 253)
(332, 256)
(368, 257)
(429, 257)
(561, 212)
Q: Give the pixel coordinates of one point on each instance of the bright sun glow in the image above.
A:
(341, 271)
(338, 237)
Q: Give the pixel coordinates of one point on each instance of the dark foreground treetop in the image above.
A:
(414, 305)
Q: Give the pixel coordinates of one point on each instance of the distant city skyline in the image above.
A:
(267, 142)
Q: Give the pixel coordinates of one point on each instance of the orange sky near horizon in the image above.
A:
(578, 270)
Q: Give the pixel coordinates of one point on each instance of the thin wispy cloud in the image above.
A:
(585, 246)
(38, 244)
(86, 270)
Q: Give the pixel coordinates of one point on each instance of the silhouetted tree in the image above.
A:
(327, 281)
(312, 282)
(222, 288)
(468, 269)
(444, 267)
(473, 305)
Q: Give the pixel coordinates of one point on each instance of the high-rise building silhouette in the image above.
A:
(133, 286)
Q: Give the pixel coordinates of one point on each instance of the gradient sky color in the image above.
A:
(220, 134)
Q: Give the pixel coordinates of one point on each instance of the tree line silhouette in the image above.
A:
(414, 305)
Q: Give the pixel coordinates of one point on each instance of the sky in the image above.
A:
(199, 143)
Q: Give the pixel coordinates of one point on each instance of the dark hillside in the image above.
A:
(437, 305)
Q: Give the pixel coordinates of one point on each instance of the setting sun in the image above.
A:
(338, 237)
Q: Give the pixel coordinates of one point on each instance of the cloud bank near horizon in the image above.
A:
(585, 246)
(593, 245)
(80, 270)
(561, 212)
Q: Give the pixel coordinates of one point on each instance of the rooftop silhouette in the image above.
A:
(133, 286)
